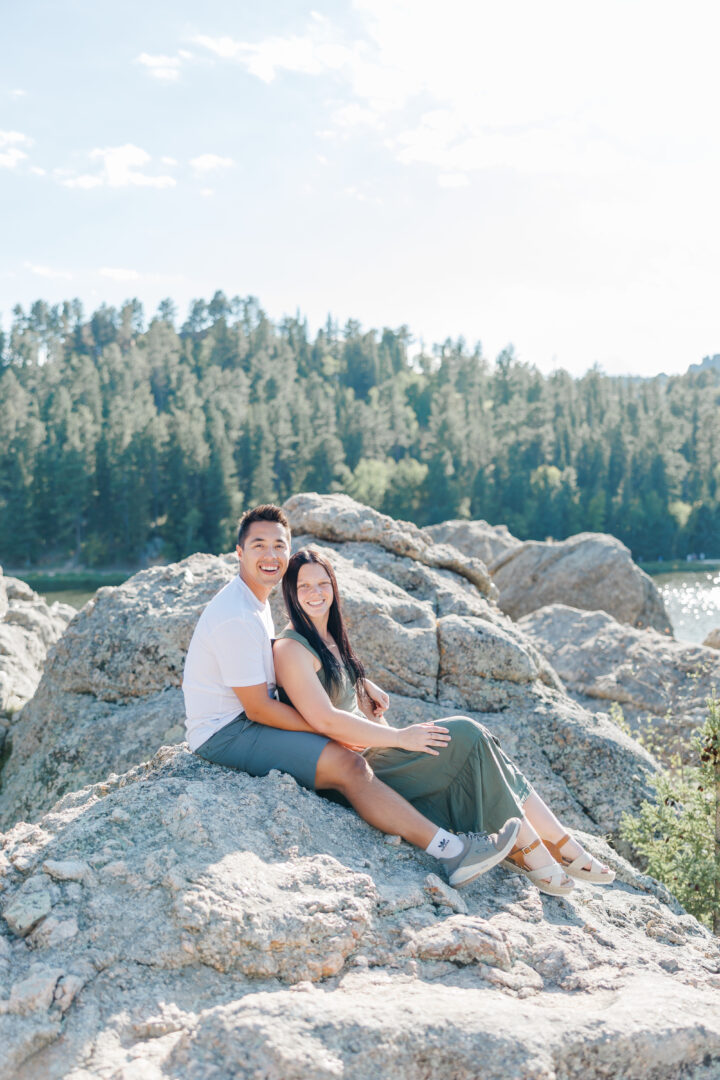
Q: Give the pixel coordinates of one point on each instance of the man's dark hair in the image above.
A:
(267, 512)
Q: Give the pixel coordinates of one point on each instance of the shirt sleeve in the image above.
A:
(239, 646)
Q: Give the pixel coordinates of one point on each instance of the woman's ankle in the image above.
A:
(526, 835)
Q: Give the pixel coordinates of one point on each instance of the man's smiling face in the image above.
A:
(264, 556)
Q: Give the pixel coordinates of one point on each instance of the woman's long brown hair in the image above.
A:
(336, 623)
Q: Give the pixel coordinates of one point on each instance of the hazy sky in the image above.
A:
(545, 174)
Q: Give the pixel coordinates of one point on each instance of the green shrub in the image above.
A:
(679, 834)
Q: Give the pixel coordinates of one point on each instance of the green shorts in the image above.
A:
(256, 749)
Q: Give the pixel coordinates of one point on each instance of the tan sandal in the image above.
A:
(548, 879)
(576, 867)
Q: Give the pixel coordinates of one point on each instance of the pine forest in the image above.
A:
(122, 441)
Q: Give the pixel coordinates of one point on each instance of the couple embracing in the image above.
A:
(301, 702)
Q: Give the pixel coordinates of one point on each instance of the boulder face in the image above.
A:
(591, 571)
(110, 692)
(183, 921)
(28, 629)
(475, 538)
(652, 677)
(338, 517)
(712, 641)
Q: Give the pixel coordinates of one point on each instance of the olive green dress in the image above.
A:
(471, 786)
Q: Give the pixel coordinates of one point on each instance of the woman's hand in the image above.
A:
(377, 699)
(426, 737)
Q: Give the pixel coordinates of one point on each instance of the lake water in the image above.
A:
(77, 598)
(692, 599)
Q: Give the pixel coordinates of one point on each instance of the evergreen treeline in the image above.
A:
(119, 440)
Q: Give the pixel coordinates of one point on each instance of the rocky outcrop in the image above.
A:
(110, 693)
(651, 676)
(712, 641)
(177, 920)
(476, 539)
(182, 921)
(338, 517)
(28, 629)
(592, 571)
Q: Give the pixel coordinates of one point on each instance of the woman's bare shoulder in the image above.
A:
(287, 650)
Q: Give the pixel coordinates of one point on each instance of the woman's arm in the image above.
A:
(295, 672)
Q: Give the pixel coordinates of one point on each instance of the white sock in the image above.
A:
(444, 845)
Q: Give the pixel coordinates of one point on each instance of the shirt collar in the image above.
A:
(259, 604)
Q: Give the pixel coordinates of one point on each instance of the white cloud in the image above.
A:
(85, 182)
(166, 68)
(10, 158)
(453, 180)
(314, 53)
(357, 193)
(539, 102)
(121, 167)
(224, 47)
(207, 192)
(354, 116)
(48, 272)
(37, 171)
(18, 93)
(168, 160)
(210, 163)
(116, 273)
(10, 152)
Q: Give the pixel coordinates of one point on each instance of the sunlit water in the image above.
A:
(692, 599)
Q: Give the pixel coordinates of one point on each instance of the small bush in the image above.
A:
(679, 834)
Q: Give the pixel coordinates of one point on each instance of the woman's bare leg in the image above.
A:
(543, 821)
(375, 802)
(540, 856)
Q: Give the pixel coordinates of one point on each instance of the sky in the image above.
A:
(544, 175)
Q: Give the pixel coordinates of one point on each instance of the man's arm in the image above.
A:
(263, 709)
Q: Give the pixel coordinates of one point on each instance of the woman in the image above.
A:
(473, 787)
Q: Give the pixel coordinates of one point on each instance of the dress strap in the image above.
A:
(294, 635)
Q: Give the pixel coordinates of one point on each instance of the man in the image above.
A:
(234, 718)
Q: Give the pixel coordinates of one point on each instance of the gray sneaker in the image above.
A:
(481, 851)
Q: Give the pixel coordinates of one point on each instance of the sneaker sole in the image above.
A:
(464, 875)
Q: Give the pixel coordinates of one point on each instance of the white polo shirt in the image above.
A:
(231, 646)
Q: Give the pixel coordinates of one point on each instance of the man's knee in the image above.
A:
(341, 769)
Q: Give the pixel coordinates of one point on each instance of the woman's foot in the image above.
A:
(578, 862)
(536, 864)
